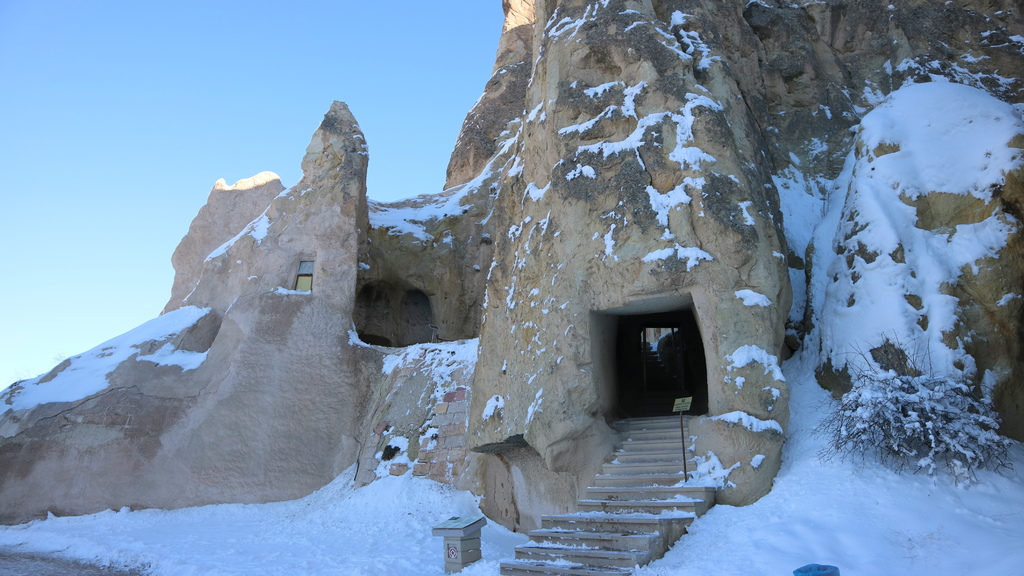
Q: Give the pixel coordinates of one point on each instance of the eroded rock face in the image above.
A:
(419, 416)
(436, 249)
(281, 355)
(814, 69)
(822, 66)
(423, 264)
(503, 97)
(771, 94)
(228, 209)
(638, 189)
(273, 412)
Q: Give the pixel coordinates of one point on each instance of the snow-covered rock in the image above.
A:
(635, 194)
(630, 164)
(927, 243)
(228, 210)
(273, 412)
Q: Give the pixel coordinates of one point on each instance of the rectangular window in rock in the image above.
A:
(304, 280)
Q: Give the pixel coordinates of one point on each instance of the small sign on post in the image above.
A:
(682, 404)
(461, 541)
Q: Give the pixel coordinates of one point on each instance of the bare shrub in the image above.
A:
(913, 419)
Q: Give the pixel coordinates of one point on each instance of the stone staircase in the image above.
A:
(631, 515)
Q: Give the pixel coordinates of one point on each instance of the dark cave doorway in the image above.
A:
(659, 357)
(394, 316)
(416, 324)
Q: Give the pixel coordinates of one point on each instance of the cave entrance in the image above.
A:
(389, 315)
(649, 359)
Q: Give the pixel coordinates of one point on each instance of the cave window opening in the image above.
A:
(304, 279)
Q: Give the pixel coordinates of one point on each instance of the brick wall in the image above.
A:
(442, 455)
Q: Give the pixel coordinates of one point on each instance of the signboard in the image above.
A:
(461, 541)
(682, 404)
(460, 527)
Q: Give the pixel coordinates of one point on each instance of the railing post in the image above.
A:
(682, 432)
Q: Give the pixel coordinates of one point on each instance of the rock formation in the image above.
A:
(635, 192)
(275, 409)
(503, 97)
(928, 246)
(228, 209)
(645, 187)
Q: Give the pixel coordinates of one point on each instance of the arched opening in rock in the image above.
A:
(389, 315)
(417, 318)
(645, 358)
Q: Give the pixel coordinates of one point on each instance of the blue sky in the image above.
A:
(117, 117)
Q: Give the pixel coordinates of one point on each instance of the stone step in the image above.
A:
(634, 480)
(671, 423)
(669, 524)
(651, 493)
(651, 446)
(527, 568)
(590, 539)
(655, 423)
(583, 556)
(649, 457)
(697, 507)
(665, 435)
(632, 514)
(651, 420)
(656, 467)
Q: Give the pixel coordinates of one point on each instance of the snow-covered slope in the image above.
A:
(87, 373)
(858, 516)
(916, 208)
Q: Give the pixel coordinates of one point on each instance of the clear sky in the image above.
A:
(117, 117)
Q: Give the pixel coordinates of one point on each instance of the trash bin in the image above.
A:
(816, 570)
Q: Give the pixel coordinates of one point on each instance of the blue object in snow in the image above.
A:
(816, 570)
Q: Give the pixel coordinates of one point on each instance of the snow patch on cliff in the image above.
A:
(86, 374)
(924, 139)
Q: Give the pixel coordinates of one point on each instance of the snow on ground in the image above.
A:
(856, 515)
(379, 530)
(859, 516)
